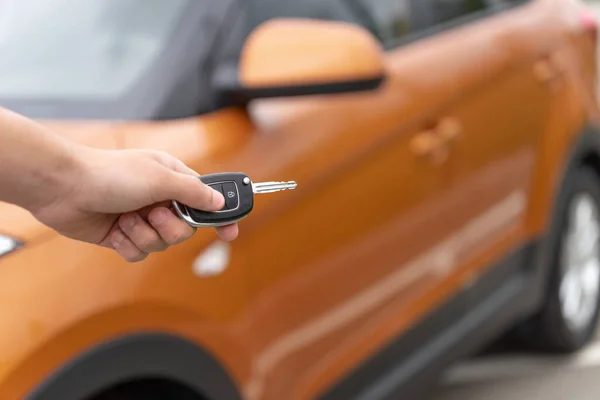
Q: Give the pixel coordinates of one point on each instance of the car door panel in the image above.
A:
(493, 161)
(371, 240)
(330, 265)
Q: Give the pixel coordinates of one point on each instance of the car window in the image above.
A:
(88, 49)
(109, 59)
(392, 20)
(398, 20)
(338, 10)
(444, 11)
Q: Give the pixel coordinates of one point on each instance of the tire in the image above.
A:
(564, 324)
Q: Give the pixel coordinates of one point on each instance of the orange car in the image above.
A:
(447, 154)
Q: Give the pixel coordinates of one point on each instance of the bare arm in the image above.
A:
(34, 164)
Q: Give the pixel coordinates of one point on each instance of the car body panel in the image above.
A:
(374, 239)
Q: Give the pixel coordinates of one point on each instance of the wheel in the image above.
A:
(569, 315)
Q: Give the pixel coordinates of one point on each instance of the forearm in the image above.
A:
(35, 164)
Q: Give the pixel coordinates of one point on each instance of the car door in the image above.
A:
(493, 127)
(355, 254)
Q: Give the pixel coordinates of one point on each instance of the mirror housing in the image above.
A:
(298, 57)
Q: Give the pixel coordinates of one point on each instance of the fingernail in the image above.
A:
(118, 239)
(218, 201)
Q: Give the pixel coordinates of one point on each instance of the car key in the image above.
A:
(238, 190)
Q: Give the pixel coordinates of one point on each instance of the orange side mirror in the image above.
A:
(295, 57)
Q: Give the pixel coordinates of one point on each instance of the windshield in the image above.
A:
(80, 48)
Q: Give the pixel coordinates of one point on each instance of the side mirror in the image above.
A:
(296, 57)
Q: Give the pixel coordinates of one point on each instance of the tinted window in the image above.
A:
(263, 10)
(90, 49)
(395, 20)
(389, 20)
(449, 10)
(113, 59)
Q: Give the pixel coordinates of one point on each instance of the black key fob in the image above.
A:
(237, 190)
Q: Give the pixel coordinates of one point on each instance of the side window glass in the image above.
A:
(264, 10)
(389, 20)
(444, 11)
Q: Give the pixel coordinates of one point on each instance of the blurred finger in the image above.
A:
(125, 247)
(228, 232)
(143, 236)
(170, 228)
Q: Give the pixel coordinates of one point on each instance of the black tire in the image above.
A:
(549, 330)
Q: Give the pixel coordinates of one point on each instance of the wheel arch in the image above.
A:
(138, 356)
(584, 150)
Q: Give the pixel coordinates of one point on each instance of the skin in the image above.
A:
(118, 199)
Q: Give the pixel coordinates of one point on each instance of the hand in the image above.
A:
(121, 199)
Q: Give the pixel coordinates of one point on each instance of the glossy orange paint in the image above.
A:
(267, 60)
(405, 195)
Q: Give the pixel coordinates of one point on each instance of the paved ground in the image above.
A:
(513, 376)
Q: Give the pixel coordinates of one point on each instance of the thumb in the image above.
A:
(189, 190)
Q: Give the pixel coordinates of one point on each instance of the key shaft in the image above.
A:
(270, 187)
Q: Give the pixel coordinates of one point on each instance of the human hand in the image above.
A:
(121, 199)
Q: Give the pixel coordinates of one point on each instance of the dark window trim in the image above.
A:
(451, 25)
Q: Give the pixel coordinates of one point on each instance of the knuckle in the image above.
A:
(159, 245)
(177, 236)
(162, 157)
(150, 242)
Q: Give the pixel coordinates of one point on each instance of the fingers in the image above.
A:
(171, 229)
(228, 232)
(189, 190)
(141, 234)
(133, 238)
(182, 184)
(125, 247)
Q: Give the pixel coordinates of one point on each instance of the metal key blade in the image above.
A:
(270, 187)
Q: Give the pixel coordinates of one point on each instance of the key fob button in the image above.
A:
(231, 195)
(217, 186)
